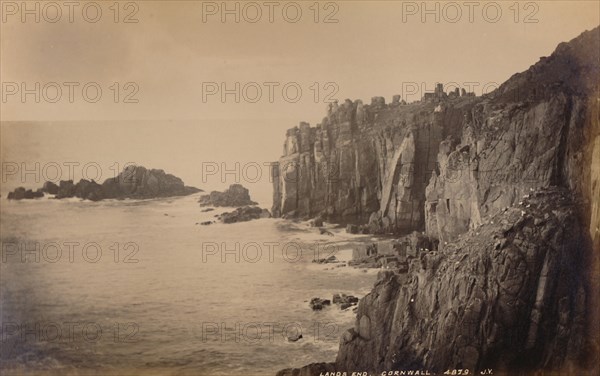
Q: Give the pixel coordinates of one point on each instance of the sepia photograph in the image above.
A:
(299, 188)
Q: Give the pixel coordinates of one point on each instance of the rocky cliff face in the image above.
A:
(509, 295)
(366, 163)
(539, 129)
(514, 201)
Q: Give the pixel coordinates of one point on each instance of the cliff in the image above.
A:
(366, 163)
(512, 196)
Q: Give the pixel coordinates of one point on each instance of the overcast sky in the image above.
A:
(171, 57)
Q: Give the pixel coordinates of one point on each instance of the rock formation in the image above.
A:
(235, 196)
(365, 163)
(22, 193)
(510, 295)
(512, 198)
(244, 214)
(134, 182)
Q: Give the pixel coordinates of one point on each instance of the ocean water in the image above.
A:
(139, 287)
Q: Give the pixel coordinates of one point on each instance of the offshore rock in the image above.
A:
(236, 195)
(141, 183)
(244, 214)
(50, 187)
(134, 182)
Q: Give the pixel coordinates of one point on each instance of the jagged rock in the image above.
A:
(530, 133)
(89, 190)
(22, 193)
(141, 183)
(364, 161)
(50, 187)
(66, 189)
(512, 299)
(328, 260)
(513, 284)
(244, 214)
(133, 182)
(235, 196)
(344, 301)
(317, 304)
(17, 194)
(29, 194)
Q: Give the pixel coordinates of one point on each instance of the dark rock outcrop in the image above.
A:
(539, 129)
(17, 194)
(235, 196)
(513, 283)
(22, 193)
(141, 183)
(244, 214)
(317, 304)
(510, 295)
(345, 301)
(50, 187)
(134, 182)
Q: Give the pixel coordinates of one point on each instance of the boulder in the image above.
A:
(17, 194)
(235, 196)
(66, 189)
(50, 187)
(244, 214)
(317, 304)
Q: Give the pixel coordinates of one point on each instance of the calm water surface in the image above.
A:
(151, 294)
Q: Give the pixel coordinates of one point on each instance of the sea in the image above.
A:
(141, 287)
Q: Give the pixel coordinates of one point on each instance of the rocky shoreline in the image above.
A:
(493, 203)
(235, 196)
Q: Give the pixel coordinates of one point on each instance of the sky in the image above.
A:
(153, 87)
